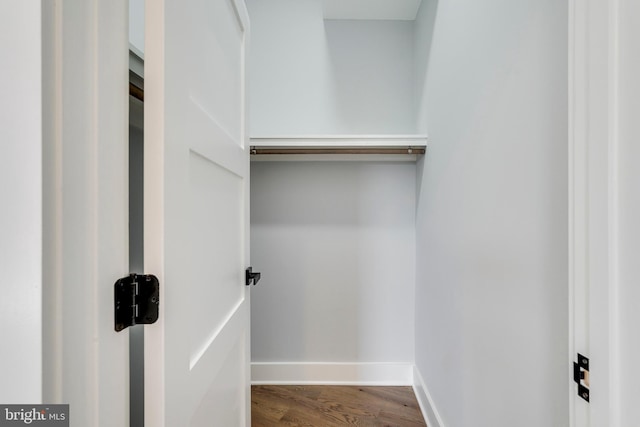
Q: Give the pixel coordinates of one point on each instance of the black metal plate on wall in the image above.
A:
(583, 392)
(583, 362)
(136, 300)
(580, 370)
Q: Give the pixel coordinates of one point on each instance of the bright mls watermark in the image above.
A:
(36, 415)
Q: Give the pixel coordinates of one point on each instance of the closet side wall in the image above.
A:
(491, 291)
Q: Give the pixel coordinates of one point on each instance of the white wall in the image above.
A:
(371, 75)
(310, 76)
(21, 195)
(491, 291)
(335, 244)
(136, 26)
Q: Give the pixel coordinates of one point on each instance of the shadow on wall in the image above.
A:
(331, 193)
(335, 241)
(422, 42)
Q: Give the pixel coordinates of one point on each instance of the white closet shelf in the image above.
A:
(304, 145)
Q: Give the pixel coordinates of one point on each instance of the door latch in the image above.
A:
(581, 376)
(136, 300)
(252, 277)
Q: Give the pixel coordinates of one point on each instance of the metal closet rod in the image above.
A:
(336, 150)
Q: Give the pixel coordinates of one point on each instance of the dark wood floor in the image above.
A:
(328, 406)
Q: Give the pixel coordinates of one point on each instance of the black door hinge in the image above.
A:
(252, 277)
(136, 300)
(581, 376)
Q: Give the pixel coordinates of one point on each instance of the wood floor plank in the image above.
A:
(267, 410)
(395, 420)
(334, 406)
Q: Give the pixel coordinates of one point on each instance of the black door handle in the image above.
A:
(252, 277)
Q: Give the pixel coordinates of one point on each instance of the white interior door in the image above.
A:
(196, 213)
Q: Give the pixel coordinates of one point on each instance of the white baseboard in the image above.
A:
(429, 411)
(332, 373)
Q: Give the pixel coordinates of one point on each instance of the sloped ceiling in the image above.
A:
(371, 9)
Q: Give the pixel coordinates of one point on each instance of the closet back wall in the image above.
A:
(314, 76)
(335, 242)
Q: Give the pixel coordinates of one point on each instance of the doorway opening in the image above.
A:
(136, 238)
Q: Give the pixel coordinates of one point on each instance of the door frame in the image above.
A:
(85, 77)
(593, 219)
(592, 193)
